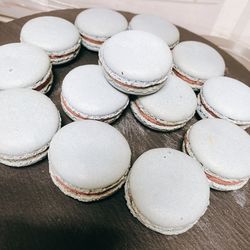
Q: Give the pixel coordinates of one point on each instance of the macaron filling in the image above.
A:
(207, 111)
(45, 84)
(87, 194)
(64, 56)
(188, 79)
(91, 40)
(75, 115)
(215, 180)
(150, 118)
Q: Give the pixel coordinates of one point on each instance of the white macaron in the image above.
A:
(86, 94)
(158, 26)
(223, 150)
(168, 109)
(89, 160)
(225, 98)
(96, 25)
(167, 191)
(29, 120)
(16, 62)
(136, 62)
(196, 62)
(57, 36)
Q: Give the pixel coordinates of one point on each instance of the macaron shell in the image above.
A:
(137, 56)
(29, 120)
(87, 91)
(234, 103)
(16, 60)
(51, 33)
(89, 154)
(198, 60)
(221, 147)
(168, 188)
(174, 102)
(100, 23)
(157, 26)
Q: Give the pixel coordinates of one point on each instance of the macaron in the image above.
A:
(223, 149)
(158, 26)
(57, 36)
(86, 94)
(89, 160)
(29, 120)
(16, 62)
(136, 62)
(225, 98)
(168, 109)
(167, 191)
(196, 62)
(96, 25)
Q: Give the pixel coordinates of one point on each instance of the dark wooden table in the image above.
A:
(34, 214)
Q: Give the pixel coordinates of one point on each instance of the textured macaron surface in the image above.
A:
(157, 26)
(16, 62)
(221, 147)
(228, 96)
(100, 23)
(86, 90)
(29, 120)
(137, 56)
(198, 60)
(53, 34)
(89, 154)
(168, 188)
(174, 102)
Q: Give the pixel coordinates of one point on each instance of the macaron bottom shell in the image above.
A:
(25, 160)
(205, 111)
(149, 121)
(138, 215)
(85, 195)
(75, 115)
(216, 182)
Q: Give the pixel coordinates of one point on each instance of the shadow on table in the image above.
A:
(24, 236)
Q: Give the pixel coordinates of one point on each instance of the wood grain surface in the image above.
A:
(34, 214)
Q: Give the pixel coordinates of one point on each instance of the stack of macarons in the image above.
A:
(89, 159)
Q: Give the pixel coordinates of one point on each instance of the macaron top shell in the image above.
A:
(169, 188)
(175, 101)
(221, 147)
(155, 25)
(89, 154)
(29, 120)
(86, 90)
(137, 56)
(198, 60)
(53, 34)
(100, 23)
(228, 97)
(16, 62)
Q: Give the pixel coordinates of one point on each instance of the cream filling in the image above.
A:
(192, 78)
(76, 114)
(44, 79)
(84, 194)
(132, 83)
